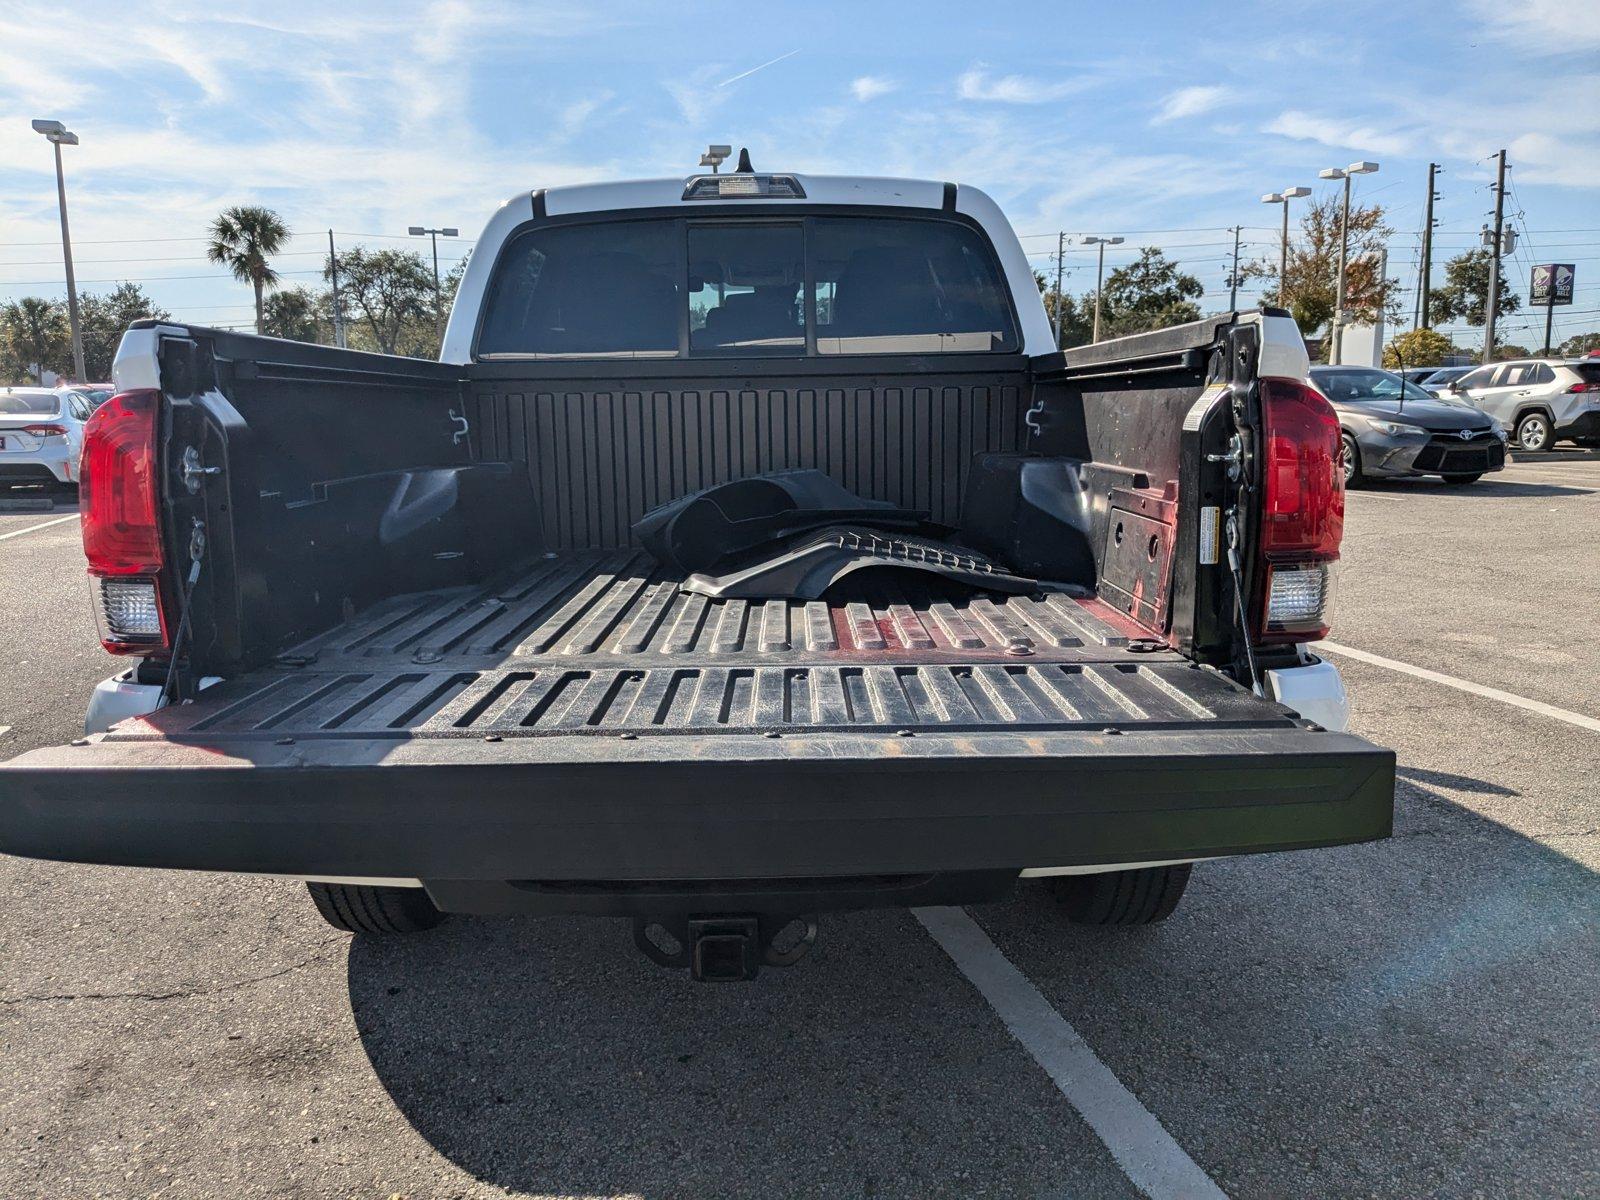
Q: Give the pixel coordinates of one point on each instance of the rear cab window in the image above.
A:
(783, 286)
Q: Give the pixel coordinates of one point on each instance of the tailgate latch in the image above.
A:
(193, 472)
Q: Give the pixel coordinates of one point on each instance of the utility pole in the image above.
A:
(1061, 250)
(338, 309)
(1494, 257)
(1233, 278)
(1423, 321)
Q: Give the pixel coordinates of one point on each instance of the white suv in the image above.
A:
(1540, 400)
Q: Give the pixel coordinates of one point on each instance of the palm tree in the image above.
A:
(242, 238)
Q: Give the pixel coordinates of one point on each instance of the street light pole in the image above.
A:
(1336, 333)
(59, 136)
(438, 294)
(1283, 198)
(1100, 276)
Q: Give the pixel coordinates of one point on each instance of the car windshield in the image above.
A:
(29, 404)
(1446, 375)
(1360, 386)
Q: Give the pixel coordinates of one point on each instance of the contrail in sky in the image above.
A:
(753, 70)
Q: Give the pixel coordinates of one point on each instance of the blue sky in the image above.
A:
(1162, 121)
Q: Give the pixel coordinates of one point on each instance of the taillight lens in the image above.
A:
(1302, 518)
(46, 430)
(1584, 387)
(120, 504)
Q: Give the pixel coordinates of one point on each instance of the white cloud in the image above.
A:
(1192, 102)
(1339, 134)
(870, 87)
(979, 84)
(1546, 27)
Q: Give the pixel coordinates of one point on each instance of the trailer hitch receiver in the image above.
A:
(725, 949)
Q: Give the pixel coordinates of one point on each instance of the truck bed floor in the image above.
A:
(603, 643)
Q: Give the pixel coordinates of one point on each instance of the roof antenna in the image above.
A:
(744, 167)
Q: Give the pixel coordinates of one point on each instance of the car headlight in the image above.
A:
(1397, 428)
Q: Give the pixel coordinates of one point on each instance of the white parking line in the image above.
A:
(42, 525)
(1145, 1151)
(1464, 685)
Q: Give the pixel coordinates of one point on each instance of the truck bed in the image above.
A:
(605, 643)
(583, 719)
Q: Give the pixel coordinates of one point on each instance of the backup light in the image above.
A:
(1297, 597)
(128, 614)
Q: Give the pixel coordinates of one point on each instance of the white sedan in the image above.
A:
(41, 435)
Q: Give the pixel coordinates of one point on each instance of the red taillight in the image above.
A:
(1302, 517)
(1584, 387)
(46, 430)
(121, 505)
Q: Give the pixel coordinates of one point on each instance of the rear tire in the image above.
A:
(1534, 433)
(374, 910)
(1139, 897)
(1463, 480)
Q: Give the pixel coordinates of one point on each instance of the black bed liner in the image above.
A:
(604, 643)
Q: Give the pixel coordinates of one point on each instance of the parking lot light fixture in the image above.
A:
(438, 294)
(1100, 276)
(58, 135)
(1354, 169)
(1283, 198)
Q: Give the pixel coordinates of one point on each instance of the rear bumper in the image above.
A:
(1581, 425)
(37, 468)
(676, 808)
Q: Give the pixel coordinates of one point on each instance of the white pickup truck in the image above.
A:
(392, 632)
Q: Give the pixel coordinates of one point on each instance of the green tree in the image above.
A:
(390, 293)
(1465, 293)
(1418, 348)
(298, 314)
(1310, 288)
(34, 338)
(1579, 344)
(1150, 293)
(105, 318)
(243, 238)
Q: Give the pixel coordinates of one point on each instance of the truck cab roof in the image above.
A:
(816, 193)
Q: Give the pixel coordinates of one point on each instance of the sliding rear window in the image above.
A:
(751, 287)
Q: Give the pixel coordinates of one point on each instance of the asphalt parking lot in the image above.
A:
(1408, 1018)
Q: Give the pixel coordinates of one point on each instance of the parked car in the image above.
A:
(444, 675)
(1392, 428)
(41, 435)
(92, 394)
(1437, 381)
(1541, 400)
(1417, 374)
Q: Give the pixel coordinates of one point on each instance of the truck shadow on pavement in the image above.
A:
(1397, 1017)
(547, 1056)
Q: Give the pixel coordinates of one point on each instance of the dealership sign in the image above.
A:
(1551, 284)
